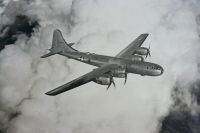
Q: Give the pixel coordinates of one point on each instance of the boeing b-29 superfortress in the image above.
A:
(129, 60)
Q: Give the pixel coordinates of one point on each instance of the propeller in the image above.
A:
(111, 82)
(125, 78)
(148, 52)
(125, 75)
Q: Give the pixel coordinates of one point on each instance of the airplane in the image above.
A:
(129, 60)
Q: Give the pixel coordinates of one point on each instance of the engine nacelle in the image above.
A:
(119, 72)
(137, 58)
(142, 51)
(103, 80)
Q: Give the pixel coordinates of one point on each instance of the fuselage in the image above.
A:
(132, 66)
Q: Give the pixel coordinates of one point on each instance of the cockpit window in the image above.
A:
(155, 67)
(158, 68)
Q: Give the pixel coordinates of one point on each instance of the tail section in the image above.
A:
(58, 45)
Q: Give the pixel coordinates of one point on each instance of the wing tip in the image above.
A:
(146, 34)
(49, 93)
(57, 30)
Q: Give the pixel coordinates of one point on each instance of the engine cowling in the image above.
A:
(119, 72)
(137, 58)
(102, 80)
(142, 51)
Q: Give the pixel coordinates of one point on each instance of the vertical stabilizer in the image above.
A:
(58, 44)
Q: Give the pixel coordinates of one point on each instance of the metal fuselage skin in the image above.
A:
(132, 66)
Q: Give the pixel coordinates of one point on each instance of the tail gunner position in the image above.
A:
(129, 60)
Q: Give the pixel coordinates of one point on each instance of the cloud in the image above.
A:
(104, 27)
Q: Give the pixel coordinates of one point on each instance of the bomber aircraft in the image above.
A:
(129, 60)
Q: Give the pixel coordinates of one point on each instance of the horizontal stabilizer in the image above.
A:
(49, 54)
(70, 44)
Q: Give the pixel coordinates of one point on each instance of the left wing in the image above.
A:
(82, 80)
(130, 49)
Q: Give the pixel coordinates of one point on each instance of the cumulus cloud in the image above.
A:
(104, 27)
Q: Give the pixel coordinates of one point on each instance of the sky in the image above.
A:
(164, 104)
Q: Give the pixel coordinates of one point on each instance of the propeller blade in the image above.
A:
(146, 55)
(113, 83)
(148, 52)
(125, 79)
(108, 86)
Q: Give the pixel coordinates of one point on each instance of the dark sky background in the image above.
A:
(22, 25)
(166, 104)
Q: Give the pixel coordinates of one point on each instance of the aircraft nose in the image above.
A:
(161, 70)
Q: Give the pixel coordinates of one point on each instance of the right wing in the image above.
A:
(82, 80)
(130, 49)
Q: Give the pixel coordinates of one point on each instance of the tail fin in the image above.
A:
(58, 44)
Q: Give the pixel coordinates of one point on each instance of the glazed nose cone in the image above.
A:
(161, 70)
